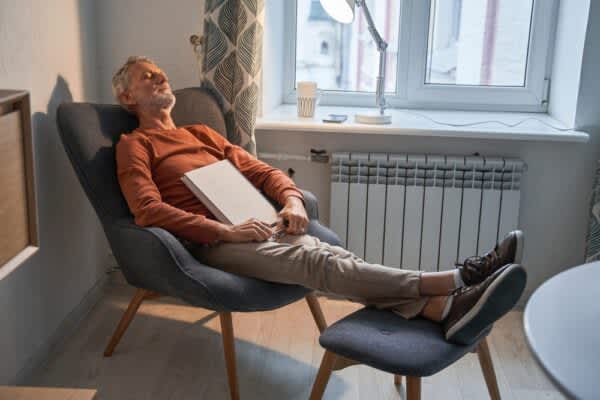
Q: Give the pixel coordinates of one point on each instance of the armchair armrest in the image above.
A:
(311, 204)
(153, 258)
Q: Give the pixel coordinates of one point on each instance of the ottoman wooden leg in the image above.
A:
(323, 376)
(413, 388)
(487, 367)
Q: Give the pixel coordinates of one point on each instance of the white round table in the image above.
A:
(562, 327)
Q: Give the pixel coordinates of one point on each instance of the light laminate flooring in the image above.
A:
(174, 351)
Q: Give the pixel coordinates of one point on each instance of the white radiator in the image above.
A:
(422, 211)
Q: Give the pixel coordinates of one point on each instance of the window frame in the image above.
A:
(411, 90)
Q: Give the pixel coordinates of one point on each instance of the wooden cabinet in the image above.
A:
(42, 393)
(18, 218)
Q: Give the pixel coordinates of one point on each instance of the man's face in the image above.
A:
(149, 88)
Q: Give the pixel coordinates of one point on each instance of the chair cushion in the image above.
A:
(196, 105)
(324, 234)
(386, 341)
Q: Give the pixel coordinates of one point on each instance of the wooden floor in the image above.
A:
(174, 351)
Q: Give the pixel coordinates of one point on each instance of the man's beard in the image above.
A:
(157, 101)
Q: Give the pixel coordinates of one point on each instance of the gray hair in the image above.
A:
(120, 80)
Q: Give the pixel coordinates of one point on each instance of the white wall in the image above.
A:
(154, 28)
(67, 50)
(48, 48)
(568, 54)
(587, 114)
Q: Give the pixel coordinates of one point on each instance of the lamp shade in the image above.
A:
(340, 10)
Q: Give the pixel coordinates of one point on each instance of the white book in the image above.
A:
(227, 193)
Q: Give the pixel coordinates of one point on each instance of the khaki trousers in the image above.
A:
(306, 261)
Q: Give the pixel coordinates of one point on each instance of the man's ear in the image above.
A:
(127, 99)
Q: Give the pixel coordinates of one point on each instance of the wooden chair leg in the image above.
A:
(229, 350)
(342, 362)
(323, 376)
(134, 304)
(487, 367)
(317, 312)
(152, 295)
(413, 388)
(397, 379)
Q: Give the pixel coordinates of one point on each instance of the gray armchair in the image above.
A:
(151, 258)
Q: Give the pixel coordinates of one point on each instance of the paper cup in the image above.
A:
(306, 89)
(306, 106)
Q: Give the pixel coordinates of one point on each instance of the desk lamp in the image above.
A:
(343, 12)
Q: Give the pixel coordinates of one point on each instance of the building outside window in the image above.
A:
(458, 54)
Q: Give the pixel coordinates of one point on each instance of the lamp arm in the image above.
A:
(381, 47)
(381, 44)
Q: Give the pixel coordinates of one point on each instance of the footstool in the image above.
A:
(413, 348)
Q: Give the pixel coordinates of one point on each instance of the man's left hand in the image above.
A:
(295, 214)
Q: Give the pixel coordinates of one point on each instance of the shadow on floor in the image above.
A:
(165, 355)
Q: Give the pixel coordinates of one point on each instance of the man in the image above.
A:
(152, 159)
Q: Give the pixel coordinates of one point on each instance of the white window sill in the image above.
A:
(415, 123)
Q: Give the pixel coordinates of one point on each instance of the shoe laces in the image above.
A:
(460, 290)
(480, 264)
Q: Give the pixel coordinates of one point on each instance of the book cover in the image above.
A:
(228, 194)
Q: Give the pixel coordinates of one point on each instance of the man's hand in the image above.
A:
(294, 213)
(252, 230)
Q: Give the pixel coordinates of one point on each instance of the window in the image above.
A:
(452, 54)
(345, 68)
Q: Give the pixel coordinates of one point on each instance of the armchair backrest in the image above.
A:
(89, 133)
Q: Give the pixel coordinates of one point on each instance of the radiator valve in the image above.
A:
(319, 155)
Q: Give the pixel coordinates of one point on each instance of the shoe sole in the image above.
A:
(520, 244)
(498, 299)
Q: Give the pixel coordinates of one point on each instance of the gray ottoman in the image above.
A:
(413, 348)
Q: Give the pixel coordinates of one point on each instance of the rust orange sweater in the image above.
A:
(150, 165)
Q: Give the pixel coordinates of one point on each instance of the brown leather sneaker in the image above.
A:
(474, 308)
(475, 269)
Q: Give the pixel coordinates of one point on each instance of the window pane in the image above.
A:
(478, 42)
(343, 56)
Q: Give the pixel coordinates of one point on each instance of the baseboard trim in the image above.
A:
(66, 328)
(117, 277)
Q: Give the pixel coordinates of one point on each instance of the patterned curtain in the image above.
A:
(230, 61)
(592, 251)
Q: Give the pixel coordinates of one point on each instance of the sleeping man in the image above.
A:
(152, 159)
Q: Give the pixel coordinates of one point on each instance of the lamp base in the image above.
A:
(373, 118)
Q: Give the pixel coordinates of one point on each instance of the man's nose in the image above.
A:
(160, 78)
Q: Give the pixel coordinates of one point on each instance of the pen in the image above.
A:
(273, 224)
